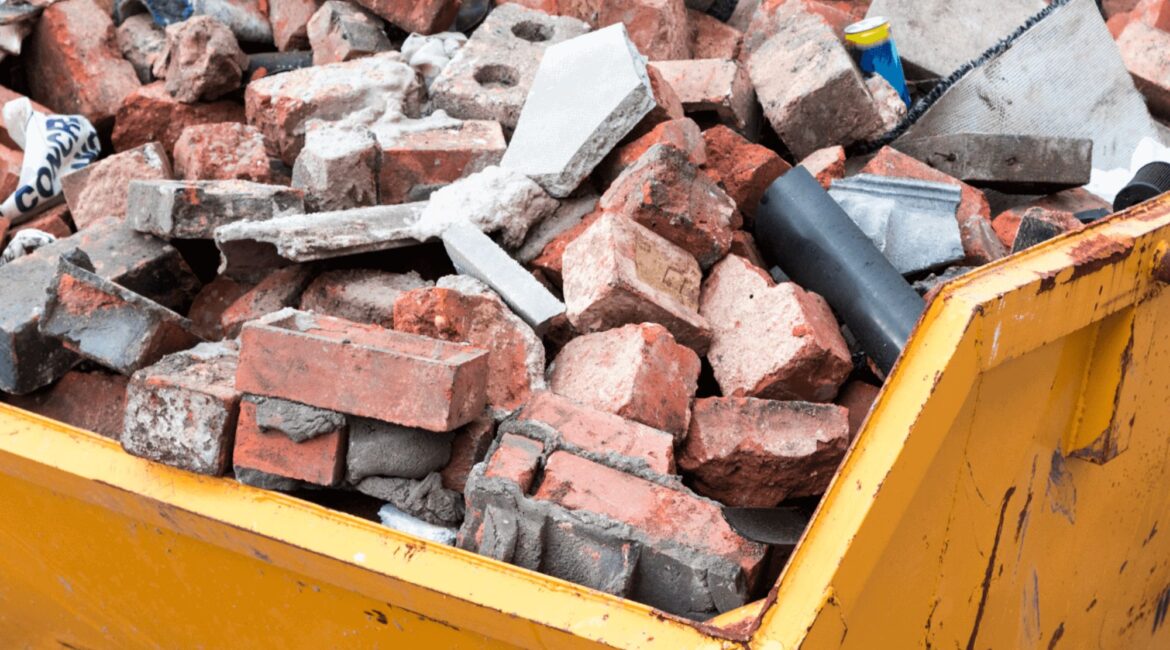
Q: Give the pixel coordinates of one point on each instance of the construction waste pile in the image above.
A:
(569, 284)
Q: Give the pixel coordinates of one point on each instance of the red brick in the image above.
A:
(595, 431)
(359, 295)
(279, 289)
(752, 452)
(619, 272)
(469, 447)
(10, 162)
(666, 515)
(1074, 200)
(768, 19)
(320, 461)
(858, 397)
(421, 16)
(75, 63)
(826, 165)
(99, 190)
(516, 354)
(635, 371)
(54, 221)
(682, 134)
(972, 203)
(203, 61)
(363, 370)
(1007, 223)
(290, 21)
(151, 114)
(214, 298)
(550, 262)
(720, 86)
(742, 168)
(5, 224)
(1143, 49)
(666, 193)
(744, 245)
(659, 28)
(516, 459)
(667, 105)
(223, 151)
(414, 163)
(771, 341)
(94, 401)
(712, 38)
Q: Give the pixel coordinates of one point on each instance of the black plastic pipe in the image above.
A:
(803, 230)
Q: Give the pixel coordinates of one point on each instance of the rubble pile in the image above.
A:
(507, 280)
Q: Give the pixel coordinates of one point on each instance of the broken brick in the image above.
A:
(742, 168)
(775, 341)
(290, 22)
(281, 105)
(151, 114)
(194, 209)
(469, 447)
(223, 151)
(341, 31)
(1007, 223)
(808, 85)
(666, 193)
(551, 416)
(359, 295)
(826, 165)
(744, 245)
(207, 310)
(618, 272)
(142, 42)
(751, 452)
(714, 86)
(75, 64)
(415, 163)
(281, 288)
(202, 60)
(858, 397)
(319, 460)
(182, 411)
(476, 316)
(1143, 50)
(712, 38)
(419, 16)
(517, 459)
(363, 370)
(635, 371)
(551, 258)
(109, 324)
(100, 189)
(682, 134)
(94, 401)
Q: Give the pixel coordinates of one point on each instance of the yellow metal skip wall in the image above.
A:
(958, 521)
(962, 517)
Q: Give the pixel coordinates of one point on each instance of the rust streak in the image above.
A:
(1007, 497)
(1098, 252)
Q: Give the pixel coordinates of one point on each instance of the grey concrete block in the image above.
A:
(109, 324)
(474, 253)
(1047, 66)
(247, 246)
(141, 263)
(194, 209)
(491, 75)
(1019, 164)
(911, 221)
(389, 450)
(589, 92)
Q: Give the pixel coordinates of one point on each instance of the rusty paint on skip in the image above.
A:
(1098, 252)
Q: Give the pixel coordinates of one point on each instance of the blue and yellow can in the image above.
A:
(875, 52)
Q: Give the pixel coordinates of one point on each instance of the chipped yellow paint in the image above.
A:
(1007, 491)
